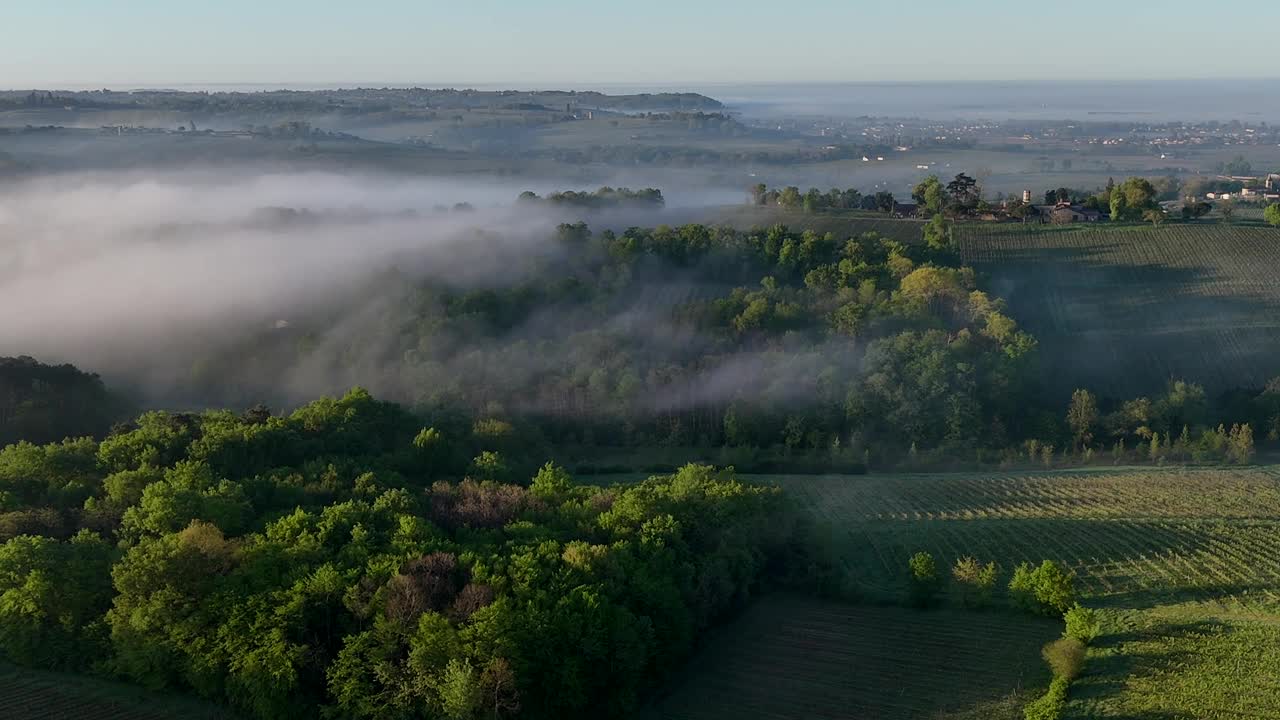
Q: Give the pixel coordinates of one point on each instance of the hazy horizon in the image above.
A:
(1248, 100)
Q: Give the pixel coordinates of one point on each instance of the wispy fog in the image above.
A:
(145, 277)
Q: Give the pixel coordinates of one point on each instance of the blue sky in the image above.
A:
(652, 42)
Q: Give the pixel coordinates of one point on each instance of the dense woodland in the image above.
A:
(44, 403)
(334, 560)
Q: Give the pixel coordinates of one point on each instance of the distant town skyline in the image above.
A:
(124, 43)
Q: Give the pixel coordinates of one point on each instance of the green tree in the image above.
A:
(1047, 589)
(974, 581)
(1240, 444)
(489, 465)
(52, 596)
(930, 194)
(963, 193)
(1132, 198)
(1082, 416)
(460, 691)
(1082, 623)
(551, 483)
(791, 198)
(937, 234)
(924, 582)
(1272, 215)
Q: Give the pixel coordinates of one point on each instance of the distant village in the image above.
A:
(296, 129)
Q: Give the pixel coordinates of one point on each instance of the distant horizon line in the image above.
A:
(580, 85)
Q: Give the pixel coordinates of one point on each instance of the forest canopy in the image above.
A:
(346, 560)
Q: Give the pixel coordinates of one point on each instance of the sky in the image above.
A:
(666, 43)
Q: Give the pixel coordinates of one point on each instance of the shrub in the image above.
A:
(1048, 706)
(975, 581)
(925, 581)
(1082, 624)
(551, 483)
(1065, 657)
(1022, 588)
(1272, 215)
(489, 465)
(1046, 590)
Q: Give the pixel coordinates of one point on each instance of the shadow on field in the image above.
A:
(1119, 311)
(1115, 659)
(1147, 599)
(1162, 631)
(798, 657)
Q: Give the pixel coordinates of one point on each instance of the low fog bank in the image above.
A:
(152, 278)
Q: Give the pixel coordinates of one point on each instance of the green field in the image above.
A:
(1184, 565)
(1134, 537)
(793, 657)
(1184, 562)
(1124, 309)
(37, 695)
(843, 223)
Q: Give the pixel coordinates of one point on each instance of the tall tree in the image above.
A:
(1082, 416)
(930, 194)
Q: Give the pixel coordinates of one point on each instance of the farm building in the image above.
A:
(1063, 213)
(906, 210)
(1260, 193)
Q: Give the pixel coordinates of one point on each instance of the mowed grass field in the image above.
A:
(1124, 309)
(794, 657)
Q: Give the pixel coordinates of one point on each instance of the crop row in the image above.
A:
(1206, 535)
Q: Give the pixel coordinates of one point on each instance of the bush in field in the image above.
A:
(1048, 706)
(1047, 589)
(1065, 657)
(1272, 215)
(925, 580)
(975, 582)
(1082, 624)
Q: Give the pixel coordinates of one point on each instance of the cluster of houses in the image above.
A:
(1060, 213)
(1256, 189)
(1267, 191)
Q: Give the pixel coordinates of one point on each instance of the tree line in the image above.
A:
(604, 197)
(814, 200)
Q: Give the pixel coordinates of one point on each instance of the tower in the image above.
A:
(1026, 196)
